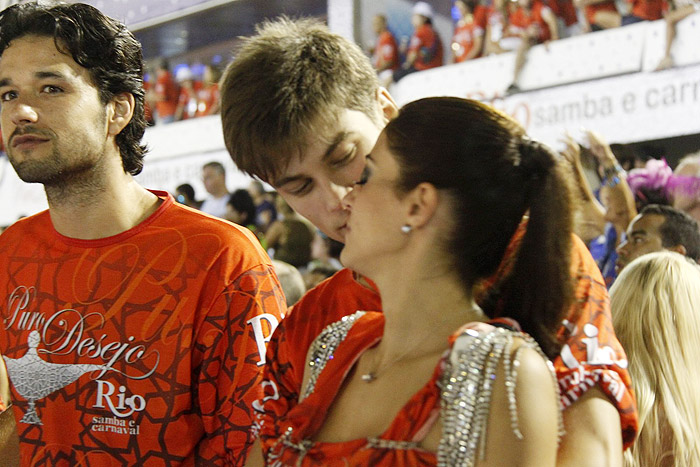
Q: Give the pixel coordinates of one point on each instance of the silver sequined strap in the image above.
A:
(380, 443)
(467, 385)
(323, 347)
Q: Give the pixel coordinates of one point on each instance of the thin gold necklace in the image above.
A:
(373, 375)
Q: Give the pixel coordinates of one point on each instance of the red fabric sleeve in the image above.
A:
(228, 363)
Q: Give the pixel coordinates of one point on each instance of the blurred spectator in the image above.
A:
(291, 281)
(166, 94)
(187, 99)
(599, 14)
(265, 211)
(214, 178)
(685, 186)
(644, 10)
(659, 228)
(149, 101)
(649, 184)
(240, 209)
(290, 237)
(589, 222)
(615, 209)
(425, 49)
(654, 307)
(185, 195)
(325, 252)
(385, 53)
(534, 23)
(468, 38)
(317, 274)
(566, 11)
(499, 37)
(680, 9)
(208, 94)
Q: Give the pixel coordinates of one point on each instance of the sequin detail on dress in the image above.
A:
(466, 386)
(324, 346)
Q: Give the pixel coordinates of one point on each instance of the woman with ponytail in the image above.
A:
(436, 379)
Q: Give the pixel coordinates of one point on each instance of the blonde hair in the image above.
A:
(656, 314)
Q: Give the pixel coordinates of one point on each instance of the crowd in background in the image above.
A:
(303, 255)
(182, 93)
(487, 27)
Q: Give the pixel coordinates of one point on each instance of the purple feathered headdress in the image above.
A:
(651, 181)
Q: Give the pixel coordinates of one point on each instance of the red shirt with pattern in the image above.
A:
(144, 348)
(386, 52)
(427, 46)
(463, 39)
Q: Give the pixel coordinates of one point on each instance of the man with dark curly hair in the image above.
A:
(133, 328)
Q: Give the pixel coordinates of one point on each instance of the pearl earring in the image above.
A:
(406, 228)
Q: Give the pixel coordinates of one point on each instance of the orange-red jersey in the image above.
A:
(207, 99)
(386, 52)
(591, 357)
(427, 46)
(167, 92)
(650, 10)
(463, 39)
(144, 348)
(591, 10)
(523, 18)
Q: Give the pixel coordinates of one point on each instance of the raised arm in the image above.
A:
(589, 216)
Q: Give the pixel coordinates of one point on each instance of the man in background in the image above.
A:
(659, 228)
(214, 179)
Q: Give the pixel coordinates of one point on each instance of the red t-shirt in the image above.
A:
(650, 10)
(567, 11)
(463, 39)
(481, 13)
(521, 19)
(591, 357)
(167, 93)
(145, 348)
(427, 46)
(386, 52)
(591, 10)
(207, 98)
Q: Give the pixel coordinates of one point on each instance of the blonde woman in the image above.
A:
(656, 313)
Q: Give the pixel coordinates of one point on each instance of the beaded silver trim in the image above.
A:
(466, 387)
(380, 443)
(323, 347)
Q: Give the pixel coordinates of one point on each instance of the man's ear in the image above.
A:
(121, 112)
(422, 203)
(387, 106)
(678, 249)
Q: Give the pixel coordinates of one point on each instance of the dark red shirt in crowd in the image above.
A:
(386, 52)
(428, 48)
(523, 18)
